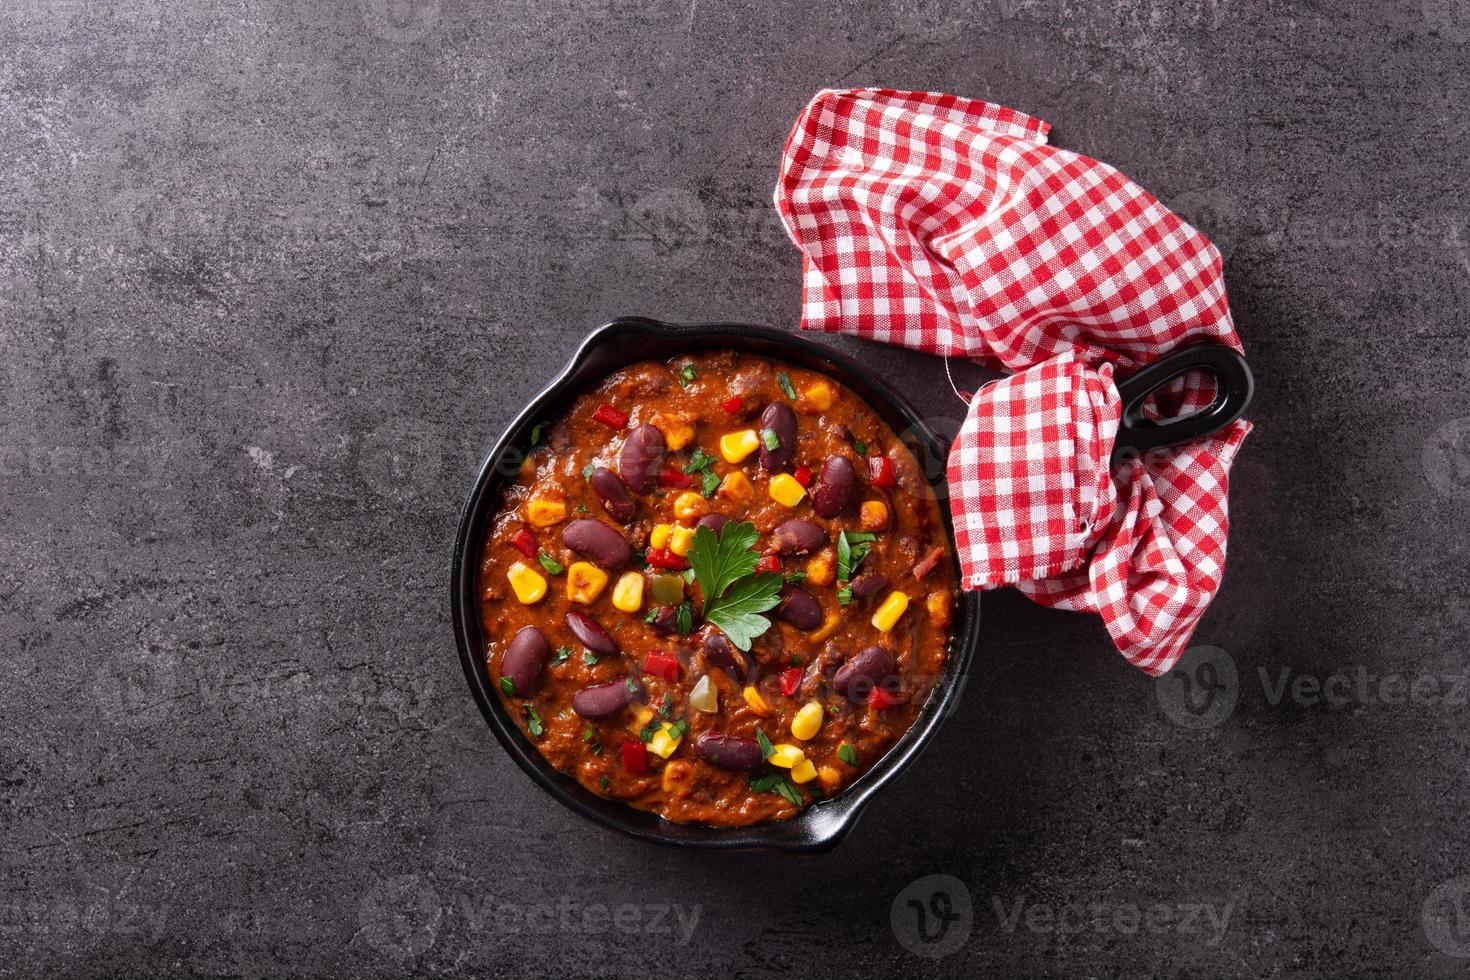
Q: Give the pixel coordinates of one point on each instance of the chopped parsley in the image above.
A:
(860, 446)
(588, 470)
(684, 618)
(508, 686)
(538, 433)
(852, 548)
(847, 754)
(703, 464)
(587, 735)
(603, 783)
(533, 721)
(775, 782)
(767, 749)
(784, 380)
(561, 655)
(734, 594)
(589, 658)
(770, 440)
(796, 578)
(687, 376)
(552, 566)
(698, 461)
(844, 596)
(790, 792)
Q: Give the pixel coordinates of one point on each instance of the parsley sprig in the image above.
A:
(734, 595)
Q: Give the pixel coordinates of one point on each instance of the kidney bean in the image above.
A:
(591, 634)
(780, 419)
(665, 621)
(613, 493)
(798, 608)
(720, 652)
(642, 457)
(863, 671)
(834, 486)
(798, 537)
(728, 751)
(865, 585)
(601, 700)
(524, 660)
(715, 522)
(600, 543)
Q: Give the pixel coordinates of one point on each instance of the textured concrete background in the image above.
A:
(273, 275)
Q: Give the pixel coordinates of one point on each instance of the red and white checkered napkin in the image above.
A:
(948, 225)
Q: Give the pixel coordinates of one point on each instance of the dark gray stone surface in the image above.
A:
(273, 275)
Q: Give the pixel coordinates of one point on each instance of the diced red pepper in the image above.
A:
(525, 542)
(671, 477)
(610, 417)
(635, 757)
(791, 680)
(882, 699)
(665, 559)
(803, 475)
(731, 405)
(662, 665)
(880, 472)
(768, 563)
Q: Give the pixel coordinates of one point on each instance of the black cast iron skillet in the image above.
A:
(620, 343)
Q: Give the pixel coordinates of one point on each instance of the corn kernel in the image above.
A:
(690, 506)
(642, 715)
(803, 772)
(829, 778)
(585, 582)
(544, 513)
(829, 626)
(887, 615)
(681, 540)
(735, 446)
(807, 721)
(819, 396)
(736, 486)
(941, 608)
(785, 490)
(529, 585)
(874, 515)
(786, 755)
(659, 536)
(678, 432)
(665, 740)
(678, 778)
(819, 571)
(756, 703)
(628, 593)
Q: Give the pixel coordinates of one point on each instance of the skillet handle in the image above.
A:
(1234, 386)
